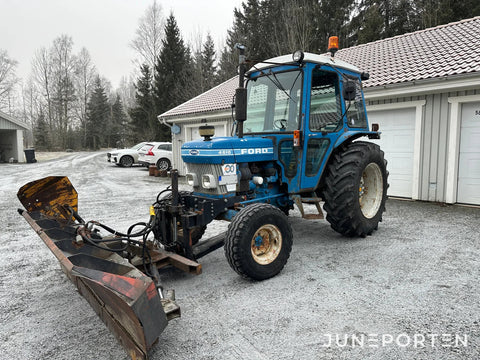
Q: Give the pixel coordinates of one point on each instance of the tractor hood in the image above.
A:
(224, 150)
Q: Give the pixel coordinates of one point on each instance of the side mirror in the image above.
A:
(241, 104)
(349, 90)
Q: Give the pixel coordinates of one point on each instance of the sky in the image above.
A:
(104, 27)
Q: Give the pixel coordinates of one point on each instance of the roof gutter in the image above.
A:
(421, 87)
(182, 118)
(164, 122)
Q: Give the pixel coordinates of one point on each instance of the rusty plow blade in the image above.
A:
(125, 298)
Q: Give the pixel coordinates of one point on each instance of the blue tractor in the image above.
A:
(298, 121)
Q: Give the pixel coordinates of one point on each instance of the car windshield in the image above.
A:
(138, 146)
(273, 102)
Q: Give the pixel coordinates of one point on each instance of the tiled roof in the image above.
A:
(449, 49)
(218, 98)
(444, 50)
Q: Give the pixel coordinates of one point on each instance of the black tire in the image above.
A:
(258, 223)
(354, 170)
(163, 164)
(126, 161)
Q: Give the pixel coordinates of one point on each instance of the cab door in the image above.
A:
(322, 126)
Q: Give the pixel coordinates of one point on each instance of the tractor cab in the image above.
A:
(308, 105)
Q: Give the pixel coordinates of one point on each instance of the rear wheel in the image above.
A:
(163, 164)
(356, 189)
(126, 161)
(258, 241)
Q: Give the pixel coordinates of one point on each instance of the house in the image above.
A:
(11, 138)
(423, 91)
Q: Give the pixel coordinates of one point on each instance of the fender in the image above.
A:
(353, 135)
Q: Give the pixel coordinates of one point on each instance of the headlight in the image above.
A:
(208, 182)
(298, 56)
(192, 179)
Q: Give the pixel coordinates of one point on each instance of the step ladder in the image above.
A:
(299, 201)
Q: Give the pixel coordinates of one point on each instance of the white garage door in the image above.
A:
(468, 190)
(397, 141)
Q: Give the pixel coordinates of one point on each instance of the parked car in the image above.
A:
(125, 157)
(156, 153)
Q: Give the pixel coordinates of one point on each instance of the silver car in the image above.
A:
(156, 153)
(125, 157)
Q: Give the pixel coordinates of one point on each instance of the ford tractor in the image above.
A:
(297, 131)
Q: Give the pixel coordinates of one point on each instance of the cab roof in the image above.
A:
(309, 57)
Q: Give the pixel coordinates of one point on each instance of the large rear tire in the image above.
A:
(258, 241)
(356, 189)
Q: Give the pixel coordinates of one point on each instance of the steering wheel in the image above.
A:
(280, 124)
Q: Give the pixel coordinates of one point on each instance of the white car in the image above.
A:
(156, 153)
(125, 157)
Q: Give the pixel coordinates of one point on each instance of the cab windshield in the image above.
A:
(273, 103)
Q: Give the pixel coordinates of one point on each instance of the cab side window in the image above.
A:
(356, 108)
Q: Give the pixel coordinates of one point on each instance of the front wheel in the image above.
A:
(258, 241)
(163, 164)
(126, 161)
(356, 189)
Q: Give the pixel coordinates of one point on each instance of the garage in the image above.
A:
(397, 141)
(468, 186)
(11, 139)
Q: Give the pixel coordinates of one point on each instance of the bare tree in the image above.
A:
(8, 80)
(85, 74)
(31, 101)
(63, 62)
(299, 25)
(126, 91)
(149, 35)
(42, 79)
(53, 72)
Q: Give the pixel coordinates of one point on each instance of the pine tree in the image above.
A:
(119, 124)
(145, 126)
(228, 63)
(40, 133)
(98, 112)
(173, 73)
(208, 67)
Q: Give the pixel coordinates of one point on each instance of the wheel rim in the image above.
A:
(163, 165)
(266, 244)
(126, 161)
(371, 190)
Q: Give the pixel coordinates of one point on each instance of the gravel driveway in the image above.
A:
(410, 291)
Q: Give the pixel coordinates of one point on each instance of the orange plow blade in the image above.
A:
(125, 298)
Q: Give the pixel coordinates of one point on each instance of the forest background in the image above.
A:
(70, 105)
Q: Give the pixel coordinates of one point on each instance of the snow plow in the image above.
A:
(298, 145)
(116, 274)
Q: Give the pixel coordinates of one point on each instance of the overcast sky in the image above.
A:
(104, 27)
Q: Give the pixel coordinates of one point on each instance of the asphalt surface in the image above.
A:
(410, 291)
